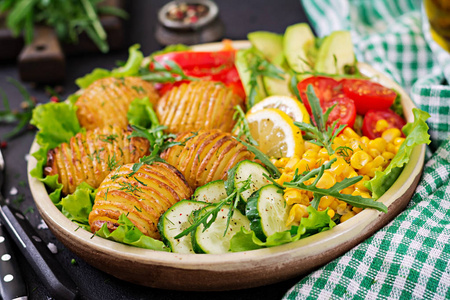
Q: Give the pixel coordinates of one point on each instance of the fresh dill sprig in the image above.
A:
(345, 152)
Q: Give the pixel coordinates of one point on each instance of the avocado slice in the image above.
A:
(298, 39)
(242, 61)
(271, 46)
(335, 52)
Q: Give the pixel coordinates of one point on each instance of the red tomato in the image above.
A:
(371, 118)
(324, 87)
(214, 66)
(368, 95)
(344, 112)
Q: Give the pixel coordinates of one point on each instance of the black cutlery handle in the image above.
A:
(51, 273)
(12, 285)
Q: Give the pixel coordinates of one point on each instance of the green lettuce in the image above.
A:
(138, 112)
(77, 206)
(57, 123)
(171, 48)
(317, 221)
(131, 68)
(416, 134)
(129, 234)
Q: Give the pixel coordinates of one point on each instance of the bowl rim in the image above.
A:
(300, 249)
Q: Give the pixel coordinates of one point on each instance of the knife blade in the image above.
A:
(12, 285)
(58, 283)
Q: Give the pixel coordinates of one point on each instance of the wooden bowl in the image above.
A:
(231, 271)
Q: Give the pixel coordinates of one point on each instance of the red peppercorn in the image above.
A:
(54, 99)
(3, 144)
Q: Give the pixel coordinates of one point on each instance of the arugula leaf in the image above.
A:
(416, 134)
(334, 191)
(319, 134)
(166, 71)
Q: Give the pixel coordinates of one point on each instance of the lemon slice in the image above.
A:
(275, 133)
(292, 107)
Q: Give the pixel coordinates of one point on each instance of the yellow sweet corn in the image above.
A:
(331, 213)
(359, 159)
(326, 181)
(390, 134)
(378, 144)
(296, 213)
(347, 216)
(381, 125)
(325, 202)
(290, 166)
(281, 162)
(350, 133)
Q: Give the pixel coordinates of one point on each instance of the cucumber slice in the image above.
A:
(243, 170)
(267, 211)
(212, 239)
(175, 220)
(211, 192)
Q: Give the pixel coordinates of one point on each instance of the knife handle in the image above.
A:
(12, 285)
(59, 284)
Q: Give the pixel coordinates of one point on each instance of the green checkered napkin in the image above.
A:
(410, 257)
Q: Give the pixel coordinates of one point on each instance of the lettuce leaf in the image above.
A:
(131, 68)
(171, 48)
(138, 112)
(129, 234)
(77, 206)
(317, 221)
(416, 134)
(57, 123)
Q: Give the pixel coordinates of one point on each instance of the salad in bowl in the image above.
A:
(240, 150)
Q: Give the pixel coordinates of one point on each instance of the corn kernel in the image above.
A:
(357, 209)
(325, 201)
(324, 153)
(390, 134)
(366, 169)
(338, 166)
(351, 133)
(334, 205)
(292, 196)
(310, 154)
(301, 166)
(339, 141)
(381, 125)
(273, 160)
(398, 141)
(356, 145)
(397, 148)
(341, 208)
(311, 146)
(379, 161)
(360, 159)
(390, 148)
(290, 166)
(379, 144)
(365, 140)
(388, 155)
(297, 212)
(347, 216)
(331, 213)
(360, 184)
(281, 162)
(356, 192)
(348, 190)
(326, 181)
(374, 152)
(284, 178)
(365, 195)
(311, 162)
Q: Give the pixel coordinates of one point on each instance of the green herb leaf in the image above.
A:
(242, 126)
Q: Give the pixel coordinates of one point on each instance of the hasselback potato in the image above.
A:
(206, 156)
(143, 197)
(106, 101)
(91, 156)
(198, 105)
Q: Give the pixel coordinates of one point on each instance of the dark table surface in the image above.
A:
(239, 17)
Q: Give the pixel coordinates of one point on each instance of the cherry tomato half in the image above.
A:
(371, 118)
(344, 112)
(368, 95)
(324, 87)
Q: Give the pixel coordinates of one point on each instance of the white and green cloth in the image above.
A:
(410, 257)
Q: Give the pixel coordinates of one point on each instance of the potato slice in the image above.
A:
(206, 156)
(106, 101)
(198, 105)
(143, 197)
(89, 157)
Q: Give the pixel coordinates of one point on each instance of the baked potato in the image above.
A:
(206, 156)
(89, 157)
(143, 197)
(106, 101)
(198, 105)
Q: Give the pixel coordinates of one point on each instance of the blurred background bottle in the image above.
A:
(438, 12)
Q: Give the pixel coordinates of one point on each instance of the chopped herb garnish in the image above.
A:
(112, 162)
(167, 71)
(320, 134)
(242, 126)
(110, 138)
(129, 187)
(345, 152)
